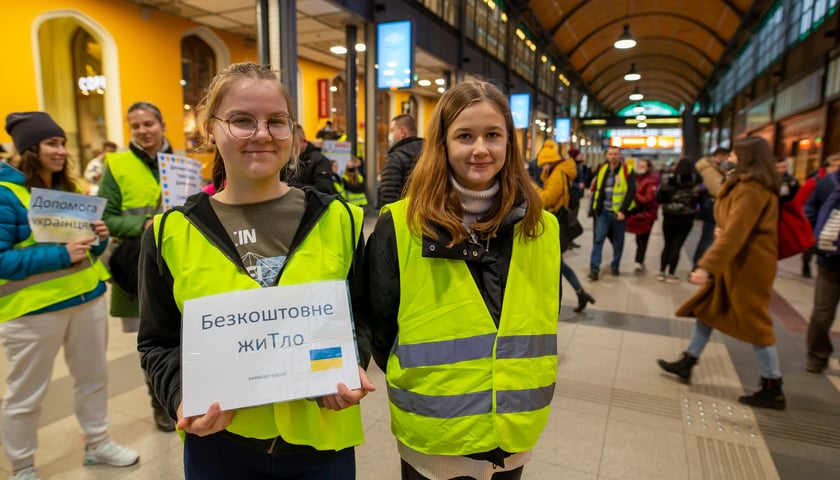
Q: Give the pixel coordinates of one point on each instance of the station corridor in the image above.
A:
(615, 415)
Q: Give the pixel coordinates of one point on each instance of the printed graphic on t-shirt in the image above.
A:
(244, 237)
(263, 270)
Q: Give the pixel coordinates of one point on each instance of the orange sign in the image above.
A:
(644, 142)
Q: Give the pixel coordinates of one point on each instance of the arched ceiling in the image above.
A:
(679, 43)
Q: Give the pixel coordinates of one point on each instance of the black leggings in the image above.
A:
(409, 473)
(675, 229)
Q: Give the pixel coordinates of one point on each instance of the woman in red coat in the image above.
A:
(736, 273)
(641, 221)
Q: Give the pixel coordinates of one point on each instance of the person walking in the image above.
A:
(679, 195)
(557, 177)
(301, 236)
(51, 297)
(131, 184)
(464, 293)
(641, 219)
(736, 273)
(713, 170)
(613, 198)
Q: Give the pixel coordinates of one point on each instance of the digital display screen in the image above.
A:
(394, 49)
(520, 109)
(562, 130)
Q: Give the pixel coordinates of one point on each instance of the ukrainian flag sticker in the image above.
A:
(325, 359)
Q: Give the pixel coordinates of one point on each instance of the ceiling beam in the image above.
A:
(712, 33)
(650, 75)
(655, 57)
(553, 30)
(657, 38)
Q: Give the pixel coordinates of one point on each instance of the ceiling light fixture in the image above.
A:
(641, 117)
(424, 82)
(338, 50)
(636, 95)
(641, 125)
(632, 75)
(639, 108)
(625, 40)
(361, 47)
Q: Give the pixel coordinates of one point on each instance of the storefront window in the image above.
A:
(198, 66)
(89, 90)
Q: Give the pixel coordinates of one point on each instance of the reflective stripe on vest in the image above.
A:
(463, 387)
(200, 269)
(19, 297)
(619, 190)
(139, 190)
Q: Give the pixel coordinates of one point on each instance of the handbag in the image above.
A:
(795, 234)
(570, 227)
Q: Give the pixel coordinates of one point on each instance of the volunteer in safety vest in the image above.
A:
(353, 183)
(255, 232)
(51, 296)
(131, 184)
(612, 200)
(464, 290)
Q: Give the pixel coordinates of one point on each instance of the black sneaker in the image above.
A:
(593, 276)
(615, 272)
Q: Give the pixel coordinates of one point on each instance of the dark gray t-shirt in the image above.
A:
(263, 232)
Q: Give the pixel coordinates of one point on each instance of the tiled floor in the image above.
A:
(614, 415)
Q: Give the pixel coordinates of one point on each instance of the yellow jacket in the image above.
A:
(555, 192)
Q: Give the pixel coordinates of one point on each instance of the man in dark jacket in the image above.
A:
(405, 148)
(314, 168)
(826, 286)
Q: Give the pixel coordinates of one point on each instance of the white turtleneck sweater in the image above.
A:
(475, 203)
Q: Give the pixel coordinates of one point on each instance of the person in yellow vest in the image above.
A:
(131, 184)
(612, 200)
(196, 250)
(51, 296)
(464, 285)
(353, 183)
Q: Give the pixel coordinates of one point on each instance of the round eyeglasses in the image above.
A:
(243, 126)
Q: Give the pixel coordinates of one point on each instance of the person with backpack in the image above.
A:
(679, 195)
(822, 205)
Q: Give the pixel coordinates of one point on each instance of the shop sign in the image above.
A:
(95, 83)
(323, 98)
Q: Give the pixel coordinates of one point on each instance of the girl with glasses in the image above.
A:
(247, 117)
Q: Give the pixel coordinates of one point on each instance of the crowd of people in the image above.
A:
(470, 358)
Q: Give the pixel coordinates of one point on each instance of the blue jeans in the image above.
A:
(218, 457)
(768, 356)
(570, 276)
(607, 224)
(707, 235)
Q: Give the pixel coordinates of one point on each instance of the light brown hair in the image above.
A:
(432, 198)
(219, 86)
(755, 162)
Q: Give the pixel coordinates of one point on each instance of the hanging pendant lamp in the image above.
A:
(625, 40)
(632, 75)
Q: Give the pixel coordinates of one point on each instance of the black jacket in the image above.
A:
(679, 194)
(811, 209)
(159, 337)
(314, 170)
(401, 159)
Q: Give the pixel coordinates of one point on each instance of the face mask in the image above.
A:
(390, 139)
(641, 171)
(726, 165)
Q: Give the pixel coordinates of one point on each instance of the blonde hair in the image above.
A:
(432, 198)
(219, 86)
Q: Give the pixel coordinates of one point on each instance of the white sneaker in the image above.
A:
(672, 279)
(109, 452)
(27, 473)
(639, 267)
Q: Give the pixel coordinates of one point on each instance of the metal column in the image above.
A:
(350, 106)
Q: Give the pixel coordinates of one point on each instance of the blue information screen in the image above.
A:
(520, 109)
(562, 130)
(394, 54)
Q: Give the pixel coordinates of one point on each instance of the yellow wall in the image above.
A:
(310, 73)
(148, 48)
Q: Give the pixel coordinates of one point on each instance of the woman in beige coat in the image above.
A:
(737, 272)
